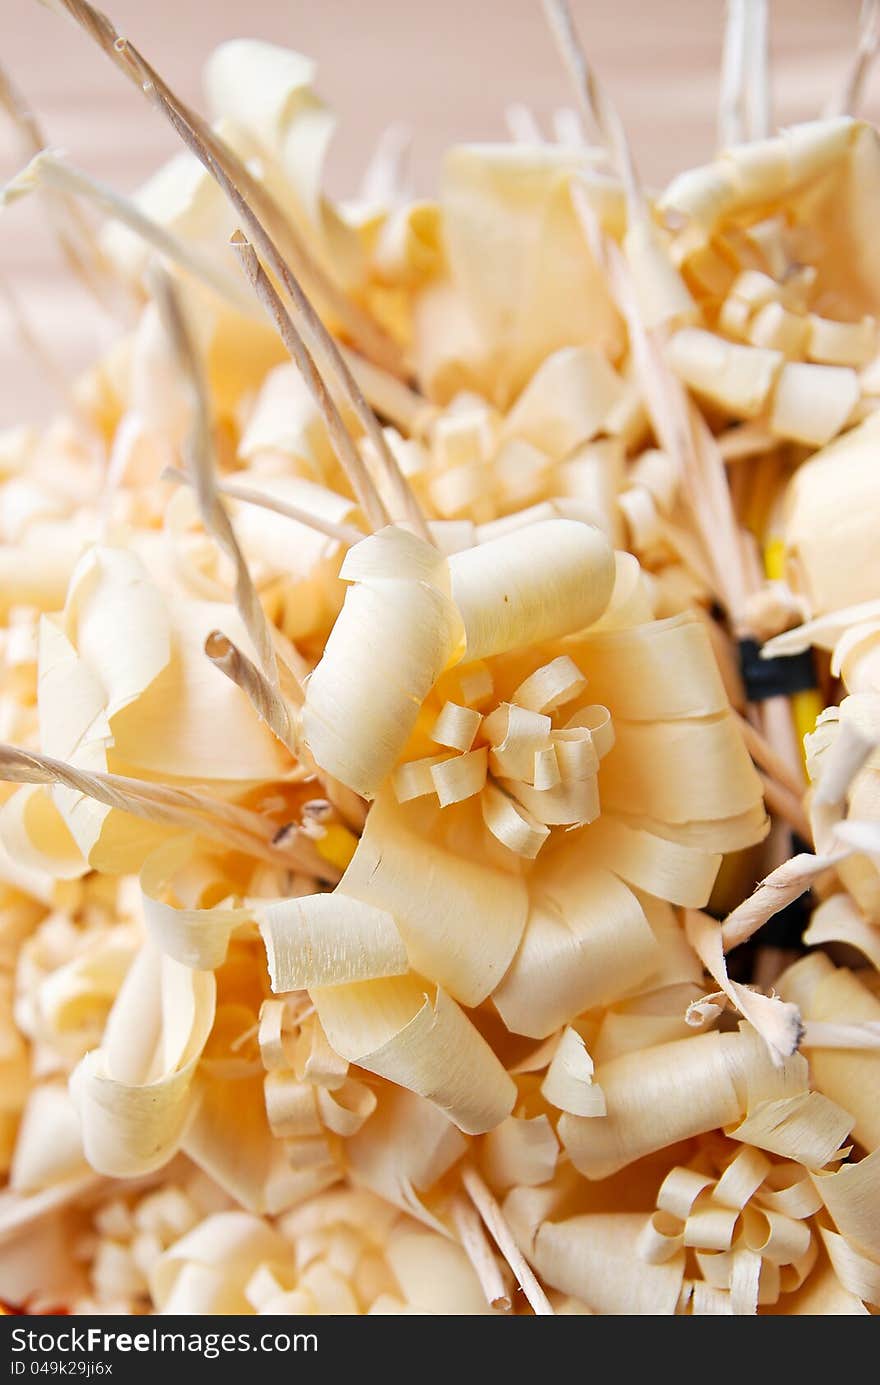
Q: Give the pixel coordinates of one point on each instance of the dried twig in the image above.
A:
(479, 1252)
(385, 180)
(731, 91)
(37, 349)
(258, 211)
(758, 71)
(390, 397)
(49, 170)
(248, 495)
(19, 1211)
(744, 96)
(350, 459)
(764, 755)
(595, 105)
(229, 171)
(266, 700)
(787, 805)
(238, 828)
(503, 1237)
(201, 467)
(74, 232)
(522, 124)
(678, 426)
(849, 98)
(781, 887)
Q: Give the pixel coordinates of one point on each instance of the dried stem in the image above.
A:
(267, 701)
(18, 1211)
(731, 91)
(37, 349)
(200, 140)
(744, 98)
(758, 71)
(479, 1252)
(231, 174)
(503, 1237)
(742, 441)
(50, 170)
(787, 805)
(678, 426)
(522, 124)
(350, 459)
(201, 466)
(237, 827)
(781, 887)
(763, 754)
(595, 105)
(257, 209)
(248, 495)
(385, 177)
(849, 98)
(74, 232)
(390, 397)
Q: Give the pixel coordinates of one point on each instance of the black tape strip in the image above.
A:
(779, 677)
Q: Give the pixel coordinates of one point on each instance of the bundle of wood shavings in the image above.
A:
(441, 703)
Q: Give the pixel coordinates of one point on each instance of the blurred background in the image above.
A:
(448, 69)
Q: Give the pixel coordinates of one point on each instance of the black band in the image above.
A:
(779, 677)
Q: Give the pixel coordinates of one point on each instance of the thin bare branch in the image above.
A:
(349, 458)
(202, 471)
(268, 703)
(232, 175)
(679, 428)
(248, 495)
(493, 1220)
(787, 806)
(479, 1252)
(37, 349)
(849, 98)
(258, 212)
(744, 93)
(74, 232)
(781, 887)
(594, 103)
(390, 397)
(236, 827)
(763, 754)
(49, 169)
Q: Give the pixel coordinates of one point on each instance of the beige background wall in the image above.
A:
(448, 68)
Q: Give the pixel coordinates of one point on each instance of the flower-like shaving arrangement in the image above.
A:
(529, 774)
(746, 1221)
